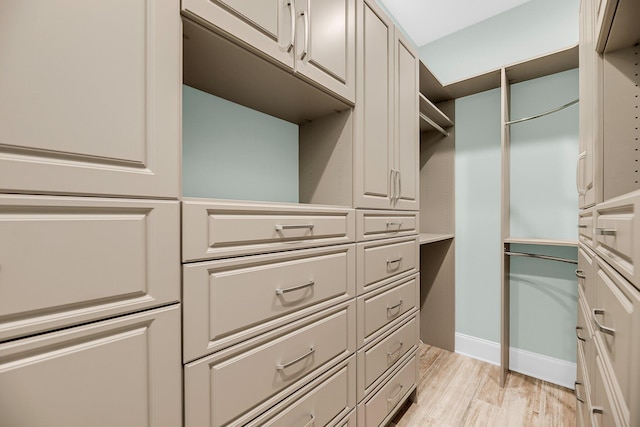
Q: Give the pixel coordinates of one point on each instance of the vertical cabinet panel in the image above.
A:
(122, 372)
(90, 97)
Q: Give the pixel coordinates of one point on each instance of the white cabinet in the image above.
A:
(90, 97)
(313, 38)
(386, 115)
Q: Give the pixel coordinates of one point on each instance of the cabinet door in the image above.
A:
(373, 175)
(121, 372)
(325, 44)
(407, 133)
(264, 26)
(90, 97)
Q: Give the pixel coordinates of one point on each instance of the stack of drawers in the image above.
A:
(608, 380)
(269, 323)
(388, 303)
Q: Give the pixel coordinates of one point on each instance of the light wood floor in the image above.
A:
(456, 391)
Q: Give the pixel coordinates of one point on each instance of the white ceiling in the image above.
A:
(428, 20)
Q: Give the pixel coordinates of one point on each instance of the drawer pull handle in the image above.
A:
(393, 307)
(394, 224)
(582, 226)
(394, 261)
(597, 410)
(293, 227)
(606, 231)
(579, 328)
(580, 274)
(311, 421)
(575, 391)
(601, 327)
(397, 350)
(396, 395)
(295, 288)
(280, 367)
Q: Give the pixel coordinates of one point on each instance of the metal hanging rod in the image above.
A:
(434, 124)
(555, 110)
(551, 258)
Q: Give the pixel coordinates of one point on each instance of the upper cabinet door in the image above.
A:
(264, 26)
(374, 174)
(325, 44)
(90, 98)
(407, 126)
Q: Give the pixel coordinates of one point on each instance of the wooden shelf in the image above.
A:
(541, 242)
(429, 109)
(431, 87)
(426, 238)
(619, 26)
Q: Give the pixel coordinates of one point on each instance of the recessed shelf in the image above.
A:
(429, 109)
(541, 242)
(426, 238)
(618, 25)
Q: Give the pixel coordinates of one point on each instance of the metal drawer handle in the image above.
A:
(580, 274)
(295, 288)
(292, 227)
(583, 226)
(280, 367)
(311, 421)
(575, 391)
(292, 12)
(397, 350)
(579, 328)
(393, 307)
(396, 395)
(601, 327)
(394, 261)
(597, 410)
(605, 231)
(394, 224)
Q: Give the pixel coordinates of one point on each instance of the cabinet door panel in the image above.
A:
(407, 125)
(326, 48)
(90, 97)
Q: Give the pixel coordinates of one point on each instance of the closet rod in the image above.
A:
(552, 258)
(434, 124)
(555, 110)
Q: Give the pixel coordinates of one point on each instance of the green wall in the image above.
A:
(232, 152)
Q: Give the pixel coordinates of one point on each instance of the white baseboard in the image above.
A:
(535, 365)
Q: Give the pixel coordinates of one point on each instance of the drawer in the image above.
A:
(389, 397)
(379, 357)
(582, 390)
(381, 308)
(604, 412)
(324, 402)
(617, 235)
(349, 421)
(118, 372)
(383, 261)
(586, 273)
(69, 260)
(585, 228)
(228, 301)
(218, 229)
(372, 225)
(584, 336)
(617, 319)
(235, 385)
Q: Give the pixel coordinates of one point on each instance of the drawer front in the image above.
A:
(390, 396)
(581, 391)
(372, 225)
(586, 274)
(214, 229)
(617, 235)
(381, 308)
(379, 357)
(325, 405)
(228, 301)
(617, 319)
(350, 421)
(585, 228)
(80, 376)
(604, 410)
(382, 261)
(238, 385)
(68, 260)
(584, 335)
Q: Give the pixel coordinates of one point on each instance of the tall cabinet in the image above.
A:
(608, 383)
(89, 216)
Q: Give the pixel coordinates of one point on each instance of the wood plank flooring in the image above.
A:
(456, 391)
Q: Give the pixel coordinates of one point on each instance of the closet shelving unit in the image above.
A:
(437, 245)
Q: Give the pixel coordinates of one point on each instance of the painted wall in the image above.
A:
(532, 29)
(232, 152)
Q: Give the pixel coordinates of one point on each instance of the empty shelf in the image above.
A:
(429, 109)
(542, 242)
(426, 238)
